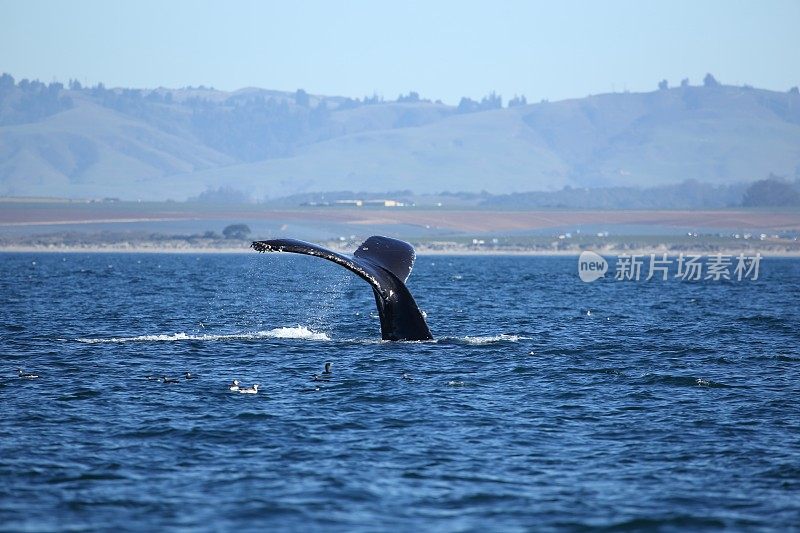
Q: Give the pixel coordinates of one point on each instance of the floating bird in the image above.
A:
(27, 375)
(406, 376)
(170, 380)
(234, 386)
(325, 375)
(249, 390)
(455, 383)
(153, 378)
(188, 375)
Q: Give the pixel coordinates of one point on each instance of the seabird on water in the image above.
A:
(325, 375)
(249, 390)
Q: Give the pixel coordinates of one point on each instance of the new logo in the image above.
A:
(591, 266)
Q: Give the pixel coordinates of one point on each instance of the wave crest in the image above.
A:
(489, 339)
(299, 332)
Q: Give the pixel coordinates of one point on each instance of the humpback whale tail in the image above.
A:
(385, 264)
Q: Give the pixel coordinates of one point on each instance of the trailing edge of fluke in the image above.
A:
(385, 264)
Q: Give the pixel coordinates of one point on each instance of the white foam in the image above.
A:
(299, 332)
(489, 339)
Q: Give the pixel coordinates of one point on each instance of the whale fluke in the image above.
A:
(385, 264)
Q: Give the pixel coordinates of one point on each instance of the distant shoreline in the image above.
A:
(421, 251)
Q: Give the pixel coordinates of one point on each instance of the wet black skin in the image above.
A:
(385, 264)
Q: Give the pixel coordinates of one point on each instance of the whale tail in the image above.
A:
(385, 264)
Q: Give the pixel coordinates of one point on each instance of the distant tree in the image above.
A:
(491, 101)
(349, 103)
(6, 81)
(771, 192)
(75, 85)
(685, 82)
(236, 231)
(710, 81)
(36, 101)
(467, 105)
(794, 90)
(301, 98)
(132, 94)
(371, 100)
(518, 101)
(411, 98)
(663, 85)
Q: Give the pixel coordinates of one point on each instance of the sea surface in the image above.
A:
(544, 402)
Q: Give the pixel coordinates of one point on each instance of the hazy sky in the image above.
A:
(443, 50)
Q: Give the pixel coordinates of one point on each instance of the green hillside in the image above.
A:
(96, 142)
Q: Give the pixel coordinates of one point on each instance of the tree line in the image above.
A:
(29, 101)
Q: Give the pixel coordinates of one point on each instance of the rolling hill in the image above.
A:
(158, 144)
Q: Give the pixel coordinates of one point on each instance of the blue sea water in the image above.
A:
(543, 403)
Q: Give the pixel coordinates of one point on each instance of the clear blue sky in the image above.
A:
(443, 50)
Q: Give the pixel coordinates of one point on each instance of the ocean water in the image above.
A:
(543, 403)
